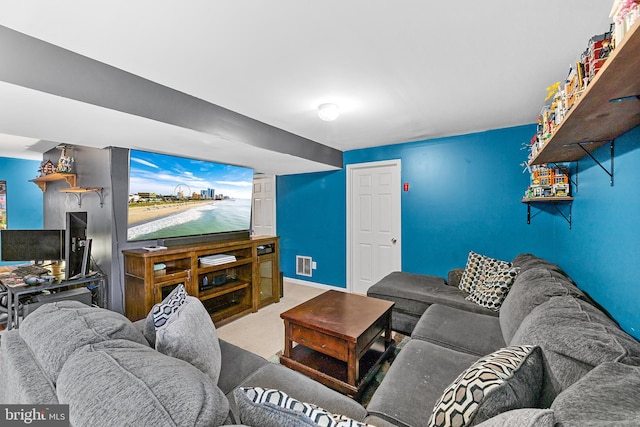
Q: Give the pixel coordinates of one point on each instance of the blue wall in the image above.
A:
(602, 251)
(464, 194)
(24, 198)
(311, 212)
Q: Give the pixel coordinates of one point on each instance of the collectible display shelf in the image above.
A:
(607, 108)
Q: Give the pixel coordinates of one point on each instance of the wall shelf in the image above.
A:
(608, 107)
(41, 181)
(79, 192)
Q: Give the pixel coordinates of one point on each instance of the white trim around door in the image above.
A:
(373, 222)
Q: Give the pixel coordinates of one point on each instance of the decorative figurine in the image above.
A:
(47, 168)
(65, 163)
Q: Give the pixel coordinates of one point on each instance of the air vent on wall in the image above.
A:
(303, 265)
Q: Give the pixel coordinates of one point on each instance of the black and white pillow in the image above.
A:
(163, 311)
(492, 292)
(479, 267)
(274, 408)
(509, 378)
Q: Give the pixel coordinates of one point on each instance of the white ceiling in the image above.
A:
(399, 70)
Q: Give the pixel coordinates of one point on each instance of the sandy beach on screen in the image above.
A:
(142, 214)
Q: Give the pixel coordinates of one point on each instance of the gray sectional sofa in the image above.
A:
(577, 366)
(580, 346)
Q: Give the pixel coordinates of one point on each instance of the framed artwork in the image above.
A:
(3, 205)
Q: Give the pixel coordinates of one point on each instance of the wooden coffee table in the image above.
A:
(341, 338)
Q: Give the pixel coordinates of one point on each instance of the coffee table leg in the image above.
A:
(353, 365)
(387, 331)
(288, 345)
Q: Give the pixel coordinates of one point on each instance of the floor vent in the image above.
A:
(303, 265)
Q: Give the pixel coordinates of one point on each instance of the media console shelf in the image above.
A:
(227, 290)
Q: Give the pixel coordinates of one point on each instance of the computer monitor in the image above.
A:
(75, 236)
(32, 245)
(86, 259)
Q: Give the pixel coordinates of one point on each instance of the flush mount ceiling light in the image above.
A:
(328, 112)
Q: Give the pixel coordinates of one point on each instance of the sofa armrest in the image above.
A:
(454, 276)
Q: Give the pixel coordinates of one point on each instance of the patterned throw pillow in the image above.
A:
(477, 269)
(509, 378)
(274, 408)
(494, 289)
(162, 312)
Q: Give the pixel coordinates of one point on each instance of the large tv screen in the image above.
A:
(172, 196)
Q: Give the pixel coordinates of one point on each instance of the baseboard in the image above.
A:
(314, 284)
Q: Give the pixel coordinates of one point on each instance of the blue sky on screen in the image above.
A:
(166, 175)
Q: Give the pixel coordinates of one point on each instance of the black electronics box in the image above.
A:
(265, 249)
(209, 281)
(219, 280)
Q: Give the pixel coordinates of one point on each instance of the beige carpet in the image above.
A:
(263, 332)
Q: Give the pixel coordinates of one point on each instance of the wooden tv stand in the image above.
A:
(228, 290)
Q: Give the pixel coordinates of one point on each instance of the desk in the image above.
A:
(16, 287)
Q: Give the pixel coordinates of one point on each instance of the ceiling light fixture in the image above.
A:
(328, 112)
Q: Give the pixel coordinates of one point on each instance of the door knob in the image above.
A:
(393, 240)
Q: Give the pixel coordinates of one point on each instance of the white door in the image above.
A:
(373, 223)
(263, 214)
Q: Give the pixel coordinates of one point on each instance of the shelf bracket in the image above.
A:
(611, 150)
(80, 194)
(79, 198)
(100, 194)
(566, 217)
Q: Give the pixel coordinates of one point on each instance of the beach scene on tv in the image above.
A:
(173, 196)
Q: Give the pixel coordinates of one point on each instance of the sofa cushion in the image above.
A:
(460, 330)
(477, 268)
(506, 379)
(608, 395)
(531, 288)
(236, 366)
(492, 292)
(528, 261)
(413, 293)
(422, 366)
(55, 330)
(120, 383)
(574, 337)
(409, 291)
(22, 380)
(303, 388)
(454, 276)
(274, 408)
(189, 334)
(526, 417)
